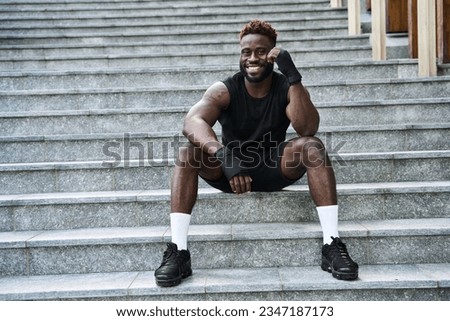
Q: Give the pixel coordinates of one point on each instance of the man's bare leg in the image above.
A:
(309, 153)
(191, 162)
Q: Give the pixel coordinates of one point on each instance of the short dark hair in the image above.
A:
(259, 27)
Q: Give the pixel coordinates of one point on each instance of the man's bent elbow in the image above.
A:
(186, 130)
(305, 130)
(307, 133)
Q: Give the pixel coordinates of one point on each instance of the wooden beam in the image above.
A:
(354, 17)
(426, 26)
(378, 29)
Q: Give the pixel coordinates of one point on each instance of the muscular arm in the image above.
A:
(198, 128)
(301, 111)
(203, 115)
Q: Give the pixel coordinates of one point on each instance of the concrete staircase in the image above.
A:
(92, 96)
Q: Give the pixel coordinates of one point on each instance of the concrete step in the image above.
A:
(187, 23)
(138, 97)
(204, 46)
(146, 122)
(384, 111)
(157, 8)
(181, 59)
(396, 282)
(58, 37)
(108, 146)
(127, 5)
(170, 18)
(171, 34)
(411, 241)
(153, 174)
(312, 72)
(142, 24)
(171, 14)
(113, 209)
(153, 3)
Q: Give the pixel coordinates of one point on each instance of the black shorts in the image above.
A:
(266, 177)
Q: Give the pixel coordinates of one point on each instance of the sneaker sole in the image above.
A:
(344, 276)
(168, 283)
(338, 275)
(173, 282)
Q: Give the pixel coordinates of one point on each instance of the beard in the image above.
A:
(266, 73)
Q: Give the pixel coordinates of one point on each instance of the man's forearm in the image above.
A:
(200, 134)
(302, 112)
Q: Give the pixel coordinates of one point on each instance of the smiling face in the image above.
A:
(253, 62)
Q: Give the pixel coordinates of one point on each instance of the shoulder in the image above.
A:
(234, 81)
(217, 94)
(221, 91)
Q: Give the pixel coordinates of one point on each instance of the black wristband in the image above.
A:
(287, 67)
(231, 165)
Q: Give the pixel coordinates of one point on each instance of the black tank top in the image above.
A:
(254, 125)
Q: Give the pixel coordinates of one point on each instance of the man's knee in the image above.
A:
(307, 144)
(190, 156)
(311, 150)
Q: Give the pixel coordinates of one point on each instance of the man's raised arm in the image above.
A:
(301, 111)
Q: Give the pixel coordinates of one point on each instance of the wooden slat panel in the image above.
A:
(443, 30)
(396, 16)
(412, 28)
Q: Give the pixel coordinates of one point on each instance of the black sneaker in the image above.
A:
(176, 265)
(336, 260)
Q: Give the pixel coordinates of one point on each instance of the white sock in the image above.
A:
(328, 216)
(179, 225)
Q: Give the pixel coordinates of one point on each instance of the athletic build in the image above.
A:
(255, 108)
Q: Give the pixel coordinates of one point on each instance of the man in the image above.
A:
(255, 107)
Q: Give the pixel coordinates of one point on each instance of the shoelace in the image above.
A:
(339, 250)
(168, 253)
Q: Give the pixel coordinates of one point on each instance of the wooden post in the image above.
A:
(379, 29)
(354, 17)
(426, 24)
(336, 3)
